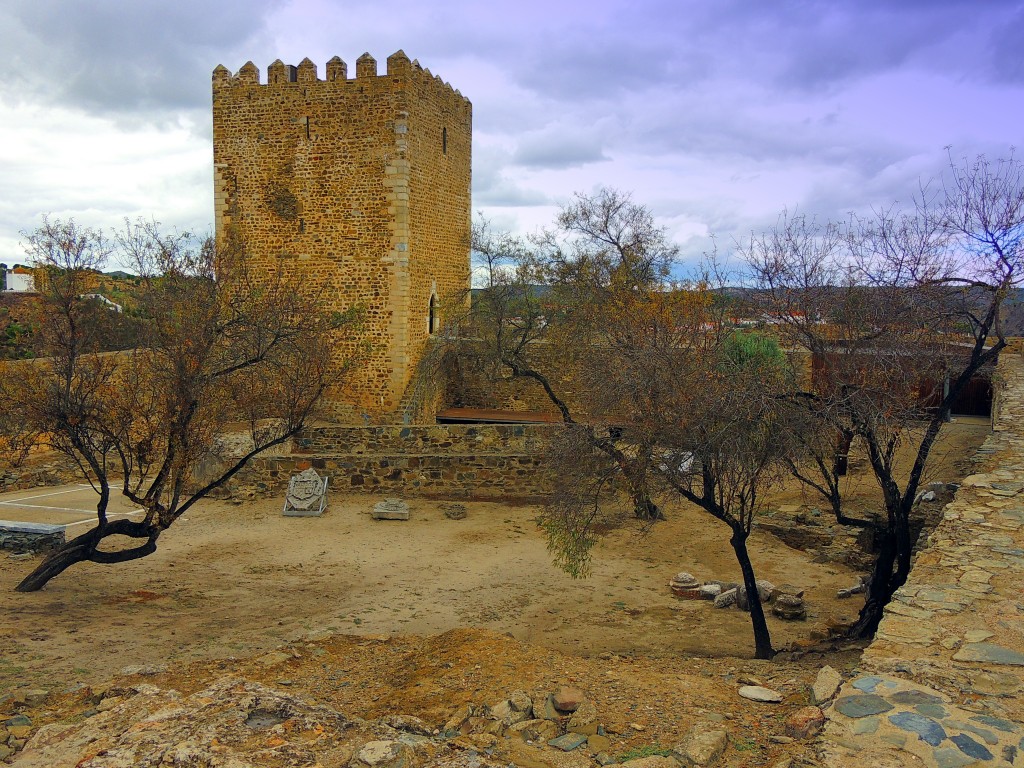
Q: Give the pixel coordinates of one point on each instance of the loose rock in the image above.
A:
(454, 510)
(383, 754)
(804, 723)
(408, 724)
(760, 693)
(568, 742)
(701, 746)
(789, 608)
(514, 709)
(825, 685)
(568, 699)
(726, 599)
(584, 719)
(537, 731)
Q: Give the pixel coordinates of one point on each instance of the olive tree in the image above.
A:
(884, 302)
(218, 349)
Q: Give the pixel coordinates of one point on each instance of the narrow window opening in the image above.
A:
(432, 317)
(302, 225)
(444, 141)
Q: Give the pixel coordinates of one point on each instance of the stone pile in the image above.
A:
(787, 601)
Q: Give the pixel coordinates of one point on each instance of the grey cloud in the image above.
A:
(558, 150)
(492, 188)
(1007, 58)
(107, 56)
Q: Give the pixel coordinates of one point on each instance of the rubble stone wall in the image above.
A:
(942, 684)
(451, 461)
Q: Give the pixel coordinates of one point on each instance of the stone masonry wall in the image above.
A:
(451, 461)
(942, 684)
(361, 188)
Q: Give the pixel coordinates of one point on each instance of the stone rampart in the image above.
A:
(942, 685)
(451, 461)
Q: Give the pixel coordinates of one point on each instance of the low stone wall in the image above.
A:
(450, 461)
(37, 474)
(942, 685)
(30, 537)
(447, 439)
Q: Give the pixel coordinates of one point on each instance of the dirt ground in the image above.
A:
(237, 580)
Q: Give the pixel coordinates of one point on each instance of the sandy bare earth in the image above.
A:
(232, 580)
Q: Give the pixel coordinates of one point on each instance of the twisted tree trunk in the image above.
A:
(85, 548)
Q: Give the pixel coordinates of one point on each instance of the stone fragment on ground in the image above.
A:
(568, 699)
(804, 723)
(408, 724)
(390, 509)
(514, 709)
(701, 747)
(654, 761)
(568, 741)
(383, 754)
(584, 719)
(537, 731)
(454, 510)
(761, 694)
(825, 685)
(726, 599)
(789, 608)
(544, 707)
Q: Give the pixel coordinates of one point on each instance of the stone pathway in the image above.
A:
(943, 682)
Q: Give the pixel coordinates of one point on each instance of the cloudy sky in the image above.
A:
(717, 114)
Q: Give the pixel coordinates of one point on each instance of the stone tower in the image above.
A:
(362, 186)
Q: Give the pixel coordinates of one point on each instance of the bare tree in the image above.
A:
(700, 407)
(884, 303)
(549, 303)
(219, 350)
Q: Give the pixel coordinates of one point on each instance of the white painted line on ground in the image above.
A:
(40, 506)
(76, 489)
(115, 514)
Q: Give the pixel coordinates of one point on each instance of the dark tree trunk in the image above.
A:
(85, 548)
(644, 508)
(762, 637)
(880, 588)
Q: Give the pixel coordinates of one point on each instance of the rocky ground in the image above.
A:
(440, 700)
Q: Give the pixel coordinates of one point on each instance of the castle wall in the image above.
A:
(332, 181)
(447, 461)
(440, 135)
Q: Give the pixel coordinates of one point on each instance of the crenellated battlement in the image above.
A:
(399, 69)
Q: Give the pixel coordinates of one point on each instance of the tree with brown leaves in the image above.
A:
(219, 350)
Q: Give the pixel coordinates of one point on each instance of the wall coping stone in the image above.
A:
(43, 529)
